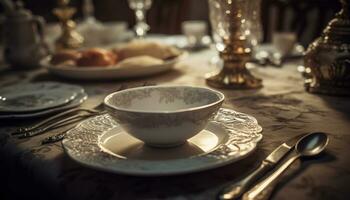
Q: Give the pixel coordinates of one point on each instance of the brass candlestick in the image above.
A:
(69, 39)
(328, 57)
(226, 19)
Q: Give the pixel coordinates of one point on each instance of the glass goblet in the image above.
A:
(227, 20)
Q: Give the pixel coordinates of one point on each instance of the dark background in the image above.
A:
(305, 17)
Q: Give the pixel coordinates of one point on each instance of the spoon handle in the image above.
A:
(235, 190)
(264, 188)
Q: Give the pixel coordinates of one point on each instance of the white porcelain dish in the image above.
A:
(80, 97)
(164, 116)
(100, 143)
(109, 73)
(31, 97)
(29, 101)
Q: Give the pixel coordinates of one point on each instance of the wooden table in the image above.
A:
(282, 107)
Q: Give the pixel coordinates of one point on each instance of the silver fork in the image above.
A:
(55, 117)
(56, 137)
(59, 136)
(52, 121)
(57, 124)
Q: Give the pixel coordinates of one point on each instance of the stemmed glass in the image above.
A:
(88, 11)
(89, 19)
(140, 7)
(89, 27)
(227, 20)
(253, 28)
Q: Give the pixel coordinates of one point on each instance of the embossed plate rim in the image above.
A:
(98, 159)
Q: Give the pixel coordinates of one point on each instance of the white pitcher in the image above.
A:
(24, 38)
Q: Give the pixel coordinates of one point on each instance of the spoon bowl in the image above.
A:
(312, 144)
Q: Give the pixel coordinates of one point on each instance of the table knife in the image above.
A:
(235, 190)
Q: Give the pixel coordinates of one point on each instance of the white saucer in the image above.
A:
(100, 143)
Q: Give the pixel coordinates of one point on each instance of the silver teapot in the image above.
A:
(328, 57)
(23, 38)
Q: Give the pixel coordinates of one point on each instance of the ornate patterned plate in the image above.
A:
(80, 97)
(31, 97)
(100, 143)
(34, 100)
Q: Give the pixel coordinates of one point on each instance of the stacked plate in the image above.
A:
(39, 99)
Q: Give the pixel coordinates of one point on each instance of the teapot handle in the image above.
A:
(40, 23)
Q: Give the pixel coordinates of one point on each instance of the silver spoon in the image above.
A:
(309, 145)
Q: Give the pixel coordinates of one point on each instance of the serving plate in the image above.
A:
(110, 72)
(100, 143)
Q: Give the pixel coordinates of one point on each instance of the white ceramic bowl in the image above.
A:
(164, 116)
